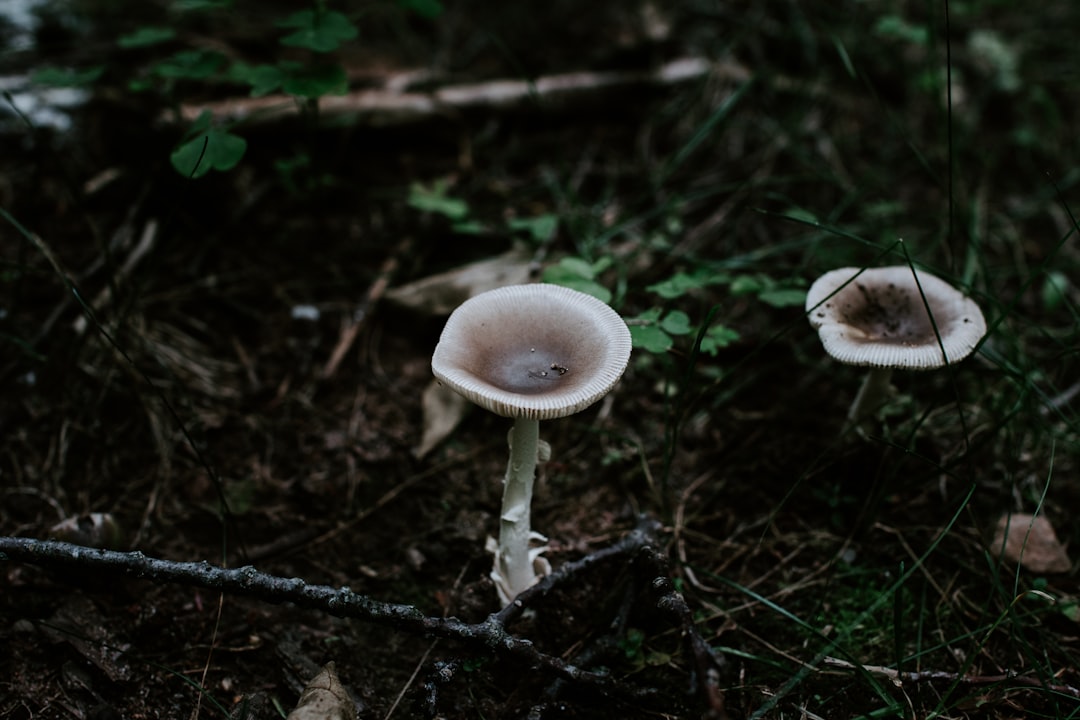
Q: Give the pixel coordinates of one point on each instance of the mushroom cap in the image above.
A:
(878, 318)
(534, 351)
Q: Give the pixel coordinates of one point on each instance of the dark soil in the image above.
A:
(192, 408)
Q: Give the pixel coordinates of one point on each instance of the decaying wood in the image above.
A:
(391, 105)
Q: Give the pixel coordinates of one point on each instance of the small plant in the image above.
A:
(206, 147)
(436, 198)
(657, 329)
(580, 274)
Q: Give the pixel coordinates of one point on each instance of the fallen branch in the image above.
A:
(490, 635)
(390, 106)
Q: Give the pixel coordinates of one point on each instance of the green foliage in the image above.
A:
(190, 65)
(207, 148)
(318, 30)
(990, 49)
(637, 654)
(540, 228)
(194, 65)
(1055, 290)
(430, 9)
(682, 283)
(291, 169)
(655, 331)
(894, 27)
(315, 80)
(580, 274)
(66, 77)
(146, 37)
(263, 79)
(200, 5)
(435, 199)
(770, 291)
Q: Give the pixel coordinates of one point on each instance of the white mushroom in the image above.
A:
(529, 352)
(878, 318)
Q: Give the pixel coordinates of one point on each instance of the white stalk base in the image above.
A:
(517, 564)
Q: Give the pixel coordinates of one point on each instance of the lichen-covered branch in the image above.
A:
(489, 635)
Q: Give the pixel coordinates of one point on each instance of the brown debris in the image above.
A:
(1031, 542)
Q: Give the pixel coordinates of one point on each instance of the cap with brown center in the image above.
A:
(530, 352)
(535, 351)
(884, 319)
(877, 318)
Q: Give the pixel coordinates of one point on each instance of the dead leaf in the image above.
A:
(443, 410)
(79, 623)
(1031, 542)
(324, 698)
(440, 294)
(97, 530)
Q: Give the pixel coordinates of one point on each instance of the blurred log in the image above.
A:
(397, 105)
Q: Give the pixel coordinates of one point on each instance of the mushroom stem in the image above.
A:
(875, 389)
(514, 570)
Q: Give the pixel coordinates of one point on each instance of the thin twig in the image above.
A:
(899, 678)
(374, 294)
(146, 243)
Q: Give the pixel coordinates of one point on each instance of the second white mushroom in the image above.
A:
(881, 318)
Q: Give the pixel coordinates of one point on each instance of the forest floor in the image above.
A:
(230, 366)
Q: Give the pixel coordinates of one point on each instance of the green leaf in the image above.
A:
(676, 322)
(750, 284)
(318, 30)
(783, 297)
(433, 199)
(895, 27)
(312, 81)
(470, 227)
(223, 151)
(657, 659)
(1054, 290)
(589, 287)
(541, 227)
(577, 266)
(145, 37)
(263, 79)
(650, 337)
(801, 215)
(578, 274)
(190, 65)
(681, 283)
(193, 5)
(66, 77)
(199, 124)
(718, 336)
(649, 317)
(430, 9)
